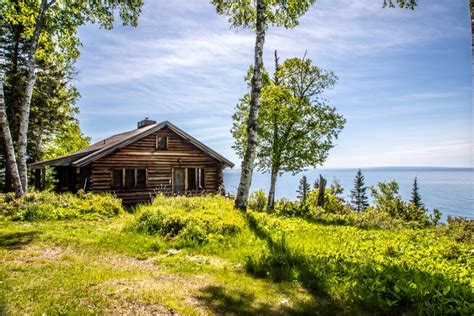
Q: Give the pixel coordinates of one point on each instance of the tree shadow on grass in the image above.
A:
(225, 301)
(376, 288)
(17, 240)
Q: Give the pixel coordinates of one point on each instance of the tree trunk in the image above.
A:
(26, 102)
(322, 188)
(23, 129)
(271, 193)
(7, 137)
(252, 123)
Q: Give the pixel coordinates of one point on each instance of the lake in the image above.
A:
(451, 190)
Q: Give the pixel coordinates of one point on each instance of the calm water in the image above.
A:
(448, 189)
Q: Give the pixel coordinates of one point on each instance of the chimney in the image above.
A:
(145, 122)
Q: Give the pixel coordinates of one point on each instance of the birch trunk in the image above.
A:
(26, 102)
(271, 193)
(7, 138)
(252, 123)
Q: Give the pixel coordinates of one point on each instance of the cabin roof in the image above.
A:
(106, 146)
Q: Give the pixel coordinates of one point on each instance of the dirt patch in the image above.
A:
(151, 295)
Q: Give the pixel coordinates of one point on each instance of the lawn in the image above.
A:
(200, 256)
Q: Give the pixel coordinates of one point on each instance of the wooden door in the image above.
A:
(178, 181)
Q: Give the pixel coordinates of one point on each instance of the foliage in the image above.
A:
(359, 199)
(258, 201)
(66, 141)
(378, 271)
(279, 13)
(388, 200)
(190, 220)
(296, 126)
(303, 189)
(38, 206)
(415, 195)
(336, 189)
(460, 229)
(40, 50)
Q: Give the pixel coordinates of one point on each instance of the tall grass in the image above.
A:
(36, 206)
(192, 220)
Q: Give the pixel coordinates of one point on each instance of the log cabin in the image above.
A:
(138, 164)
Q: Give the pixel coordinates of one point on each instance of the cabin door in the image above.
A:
(178, 181)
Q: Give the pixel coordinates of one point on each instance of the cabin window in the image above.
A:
(129, 178)
(161, 143)
(117, 178)
(141, 178)
(196, 179)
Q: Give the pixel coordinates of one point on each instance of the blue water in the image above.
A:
(451, 190)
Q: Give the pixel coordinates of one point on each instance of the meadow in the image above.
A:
(201, 256)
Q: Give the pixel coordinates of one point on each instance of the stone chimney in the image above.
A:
(145, 122)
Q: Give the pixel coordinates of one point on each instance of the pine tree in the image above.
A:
(303, 189)
(415, 195)
(359, 198)
(316, 184)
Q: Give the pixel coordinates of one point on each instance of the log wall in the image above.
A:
(159, 164)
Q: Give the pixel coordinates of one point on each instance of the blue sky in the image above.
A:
(404, 76)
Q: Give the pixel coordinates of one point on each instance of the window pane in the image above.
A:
(117, 178)
(141, 178)
(162, 143)
(129, 178)
(191, 179)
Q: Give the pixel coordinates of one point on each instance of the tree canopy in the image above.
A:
(40, 44)
(296, 126)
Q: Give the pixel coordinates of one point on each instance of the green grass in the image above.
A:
(239, 264)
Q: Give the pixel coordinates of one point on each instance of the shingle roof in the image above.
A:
(104, 147)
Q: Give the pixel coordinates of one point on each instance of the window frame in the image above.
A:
(157, 142)
(123, 172)
(199, 175)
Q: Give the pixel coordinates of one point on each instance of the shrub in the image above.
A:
(258, 201)
(388, 200)
(35, 206)
(190, 220)
(460, 229)
(380, 271)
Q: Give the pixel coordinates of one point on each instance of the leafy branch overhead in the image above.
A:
(41, 37)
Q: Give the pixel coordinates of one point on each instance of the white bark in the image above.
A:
(7, 137)
(26, 102)
(252, 123)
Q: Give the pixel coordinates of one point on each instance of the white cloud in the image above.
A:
(185, 64)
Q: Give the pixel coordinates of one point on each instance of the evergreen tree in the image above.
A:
(336, 189)
(316, 184)
(415, 195)
(359, 198)
(303, 189)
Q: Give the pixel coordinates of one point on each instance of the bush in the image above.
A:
(460, 229)
(190, 220)
(388, 200)
(36, 206)
(379, 271)
(258, 201)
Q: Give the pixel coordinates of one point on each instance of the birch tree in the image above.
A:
(57, 20)
(7, 136)
(258, 15)
(296, 127)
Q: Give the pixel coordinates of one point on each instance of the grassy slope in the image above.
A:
(90, 267)
(94, 266)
